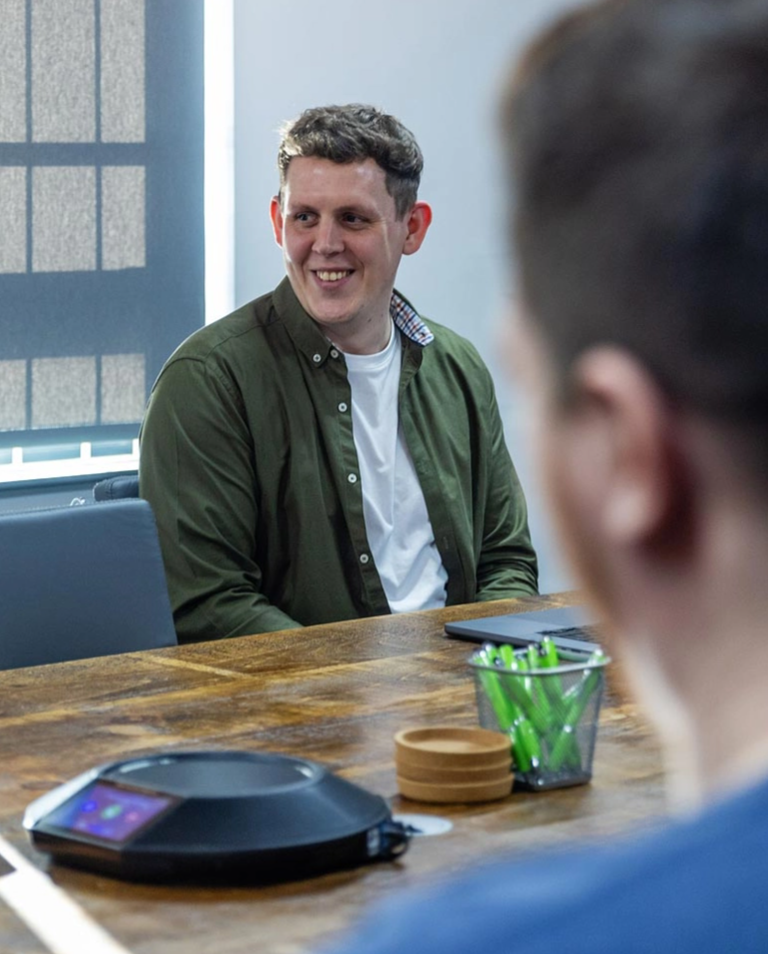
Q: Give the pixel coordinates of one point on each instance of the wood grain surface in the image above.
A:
(336, 694)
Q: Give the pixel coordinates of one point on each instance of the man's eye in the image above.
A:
(303, 217)
(350, 218)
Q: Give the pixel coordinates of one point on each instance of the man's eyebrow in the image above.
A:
(362, 209)
(366, 210)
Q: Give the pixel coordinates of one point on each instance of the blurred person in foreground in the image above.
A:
(325, 453)
(636, 135)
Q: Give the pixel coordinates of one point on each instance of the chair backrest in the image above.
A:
(116, 488)
(81, 581)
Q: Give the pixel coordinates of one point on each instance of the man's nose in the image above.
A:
(328, 238)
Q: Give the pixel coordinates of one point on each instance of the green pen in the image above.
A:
(548, 652)
(532, 655)
(578, 698)
(520, 695)
(549, 659)
(522, 666)
(507, 656)
(526, 743)
(502, 707)
(538, 688)
(551, 694)
(581, 692)
(552, 686)
(507, 715)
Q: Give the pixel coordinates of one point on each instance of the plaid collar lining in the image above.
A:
(407, 320)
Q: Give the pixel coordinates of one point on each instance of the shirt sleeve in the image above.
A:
(198, 472)
(507, 565)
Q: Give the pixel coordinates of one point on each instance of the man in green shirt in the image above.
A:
(322, 453)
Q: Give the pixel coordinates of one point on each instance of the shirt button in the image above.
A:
(317, 358)
(352, 478)
(364, 558)
(334, 353)
(342, 407)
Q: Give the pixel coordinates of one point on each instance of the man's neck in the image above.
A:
(696, 647)
(370, 338)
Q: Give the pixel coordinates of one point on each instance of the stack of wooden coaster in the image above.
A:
(444, 763)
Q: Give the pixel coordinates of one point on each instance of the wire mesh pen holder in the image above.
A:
(550, 713)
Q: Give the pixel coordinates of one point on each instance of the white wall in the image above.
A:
(436, 65)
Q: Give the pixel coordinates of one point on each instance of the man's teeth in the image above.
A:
(332, 276)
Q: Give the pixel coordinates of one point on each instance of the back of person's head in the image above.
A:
(637, 136)
(354, 133)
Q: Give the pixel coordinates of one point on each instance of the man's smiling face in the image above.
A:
(342, 243)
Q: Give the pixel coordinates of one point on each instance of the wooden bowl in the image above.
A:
(453, 776)
(451, 747)
(468, 792)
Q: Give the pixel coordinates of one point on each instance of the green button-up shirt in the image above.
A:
(249, 462)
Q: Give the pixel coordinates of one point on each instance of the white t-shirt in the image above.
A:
(396, 519)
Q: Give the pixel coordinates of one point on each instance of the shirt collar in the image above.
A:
(313, 342)
(408, 321)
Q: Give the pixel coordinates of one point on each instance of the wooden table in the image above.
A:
(336, 694)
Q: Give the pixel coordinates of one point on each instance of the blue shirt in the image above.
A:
(696, 886)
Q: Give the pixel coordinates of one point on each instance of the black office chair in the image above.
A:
(81, 581)
(116, 488)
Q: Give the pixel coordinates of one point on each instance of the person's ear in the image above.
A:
(276, 214)
(630, 427)
(418, 220)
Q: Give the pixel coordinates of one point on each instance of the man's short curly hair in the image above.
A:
(354, 133)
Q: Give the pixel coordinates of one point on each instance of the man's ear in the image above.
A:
(632, 433)
(276, 214)
(418, 221)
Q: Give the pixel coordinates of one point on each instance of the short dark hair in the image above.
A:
(636, 134)
(354, 133)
